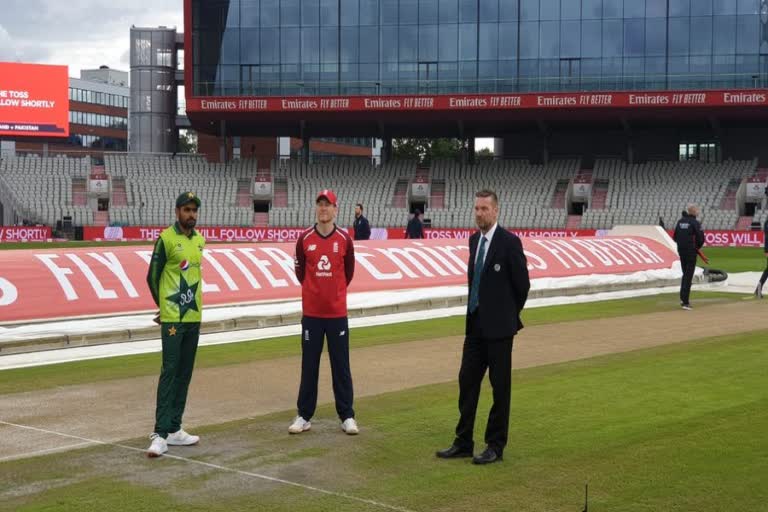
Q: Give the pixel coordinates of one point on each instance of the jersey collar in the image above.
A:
(329, 235)
(178, 230)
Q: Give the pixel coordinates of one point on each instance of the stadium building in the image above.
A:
(98, 116)
(604, 112)
(633, 79)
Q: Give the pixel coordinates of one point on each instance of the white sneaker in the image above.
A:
(181, 438)
(349, 426)
(299, 425)
(158, 447)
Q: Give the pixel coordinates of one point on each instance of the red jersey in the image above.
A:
(324, 266)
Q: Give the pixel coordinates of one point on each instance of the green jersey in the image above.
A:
(174, 275)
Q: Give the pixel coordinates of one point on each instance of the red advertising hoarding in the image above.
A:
(24, 233)
(34, 100)
(67, 283)
(273, 234)
(486, 102)
(733, 239)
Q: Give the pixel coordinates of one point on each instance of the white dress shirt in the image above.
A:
(488, 237)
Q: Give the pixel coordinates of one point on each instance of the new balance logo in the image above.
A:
(311, 247)
(342, 333)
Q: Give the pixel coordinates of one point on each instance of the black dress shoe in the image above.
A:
(454, 452)
(489, 456)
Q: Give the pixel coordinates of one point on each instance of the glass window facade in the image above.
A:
(98, 120)
(96, 142)
(326, 47)
(98, 98)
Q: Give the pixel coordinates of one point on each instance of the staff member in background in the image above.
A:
(175, 280)
(361, 226)
(498, 281)
(325, 264)
(689, 239)
(415, 228)
(764, 277)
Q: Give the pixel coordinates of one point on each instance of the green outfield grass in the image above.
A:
(735, 259)
(42, 377)
(670, 429)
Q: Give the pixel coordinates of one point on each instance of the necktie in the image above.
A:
(474, 291)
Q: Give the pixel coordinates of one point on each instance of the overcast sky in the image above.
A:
(82, 34)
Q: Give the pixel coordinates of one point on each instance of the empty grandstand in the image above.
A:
(152, 182)
(657, 191)
(36, 190)
(142, 189)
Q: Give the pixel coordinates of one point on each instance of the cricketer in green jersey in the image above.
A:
(174, 278)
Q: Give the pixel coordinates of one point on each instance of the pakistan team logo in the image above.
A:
(185, 297)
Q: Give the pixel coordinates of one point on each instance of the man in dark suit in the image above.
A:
(498, 288)
(361, 226)
(415, 228)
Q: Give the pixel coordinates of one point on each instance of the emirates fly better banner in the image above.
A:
(34, 100)
(66, 283)
(471, 102)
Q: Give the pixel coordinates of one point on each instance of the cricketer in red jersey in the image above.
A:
(325, 264)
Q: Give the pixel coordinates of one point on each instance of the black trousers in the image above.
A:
(765, 273)
(688, 263)
(313, 333)
(480, 354)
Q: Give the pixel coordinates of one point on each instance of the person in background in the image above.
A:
(415, 228)
(764, 277)
(689, 239)
(361, 225)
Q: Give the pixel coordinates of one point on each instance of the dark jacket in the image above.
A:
(415, 228)
(688, 235)
(362, 228)
(503, 287)
(765, 236)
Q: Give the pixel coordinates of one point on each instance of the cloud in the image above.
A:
(65, 33)
(16, 51)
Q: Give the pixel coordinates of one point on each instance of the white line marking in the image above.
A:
(216, 466)
(44, 452)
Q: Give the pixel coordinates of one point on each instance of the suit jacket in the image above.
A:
(504, 284)
(362, 228)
